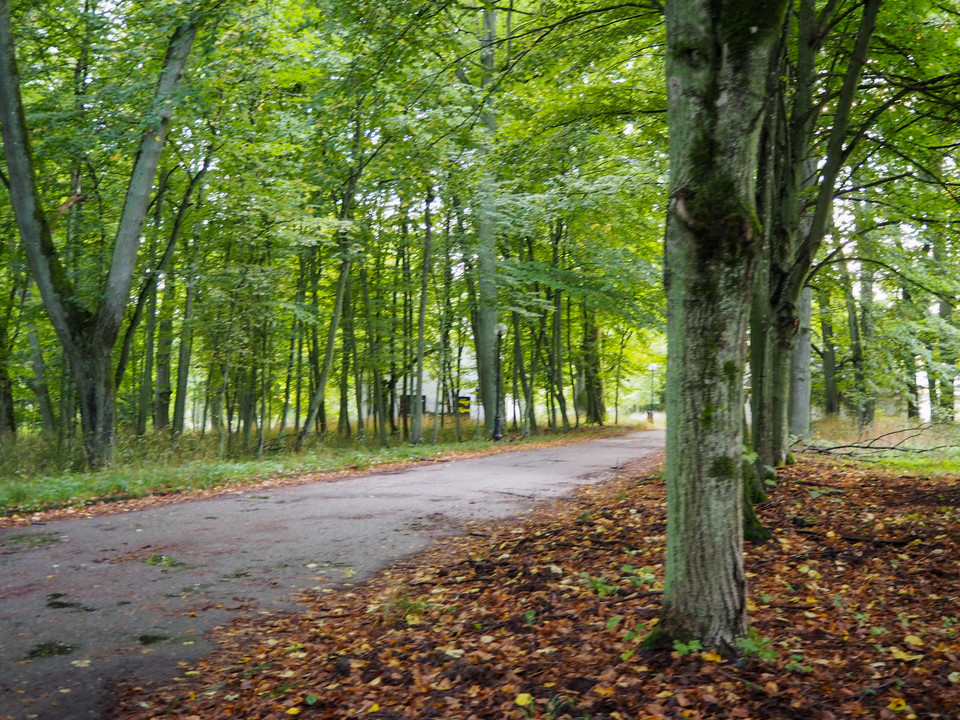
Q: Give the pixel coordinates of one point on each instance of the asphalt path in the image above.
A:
(128, 596)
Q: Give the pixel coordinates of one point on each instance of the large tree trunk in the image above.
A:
(717, 58)
(87, 336)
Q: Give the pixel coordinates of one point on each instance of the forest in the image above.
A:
(257, 227)
(263, 221)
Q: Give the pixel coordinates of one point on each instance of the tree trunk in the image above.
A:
(794, 233)
(163, 391)
(486, 335)
(947, 351)
(321, 381)
(592, 384)
(868, 403)
(416, 429)
(8, 419)
(145, 396)
(346, 354)
(831, 391)
(861, 395)
(39, 383)
(801, 376)
(88, 337)
(185, 350)
(717, 61)
(378, 389)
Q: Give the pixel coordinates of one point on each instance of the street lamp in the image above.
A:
(653, 376)
(497, 419)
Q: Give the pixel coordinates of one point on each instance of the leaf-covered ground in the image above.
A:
(854, 604)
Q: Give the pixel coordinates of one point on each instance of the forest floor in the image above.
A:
(853, 603)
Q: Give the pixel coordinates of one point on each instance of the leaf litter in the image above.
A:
(853, 604)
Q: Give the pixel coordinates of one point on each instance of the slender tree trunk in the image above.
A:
(831, 391)
(557, 358)
(947, 350)
(185, 351)
(624, 338)
(321, 385)
(346, 353)
(378, 390)
(8, 419)
(861, 395)
(163, 391)
(526, 382)
(144, 401)
(39, 383)
(486, 334)
(416, 430)
(868, 404)
(593, 385)
(801, 376)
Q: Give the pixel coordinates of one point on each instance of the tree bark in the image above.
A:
(717, 62)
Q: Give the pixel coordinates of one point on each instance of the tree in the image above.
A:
(88, 332)
(717, 64)
(798, 203)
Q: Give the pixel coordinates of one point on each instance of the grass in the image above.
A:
(894, 443)
(31, 478)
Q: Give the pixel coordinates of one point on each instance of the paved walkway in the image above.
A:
(129, 595)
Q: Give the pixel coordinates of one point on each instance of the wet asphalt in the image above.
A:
(85, 603)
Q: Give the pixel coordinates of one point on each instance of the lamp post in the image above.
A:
(497, 419)
(653, 376)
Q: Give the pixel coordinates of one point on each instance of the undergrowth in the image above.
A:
(35, 475)
(894, 443)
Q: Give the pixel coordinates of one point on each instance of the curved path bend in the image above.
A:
(86, 602)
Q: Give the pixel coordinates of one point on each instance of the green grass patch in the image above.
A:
(900, 445)
(147, 466)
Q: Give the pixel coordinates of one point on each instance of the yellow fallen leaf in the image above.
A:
(712, 657)
(293, 711)
(897, 704)
(524, 699)
(913, 640)
(901, 655)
